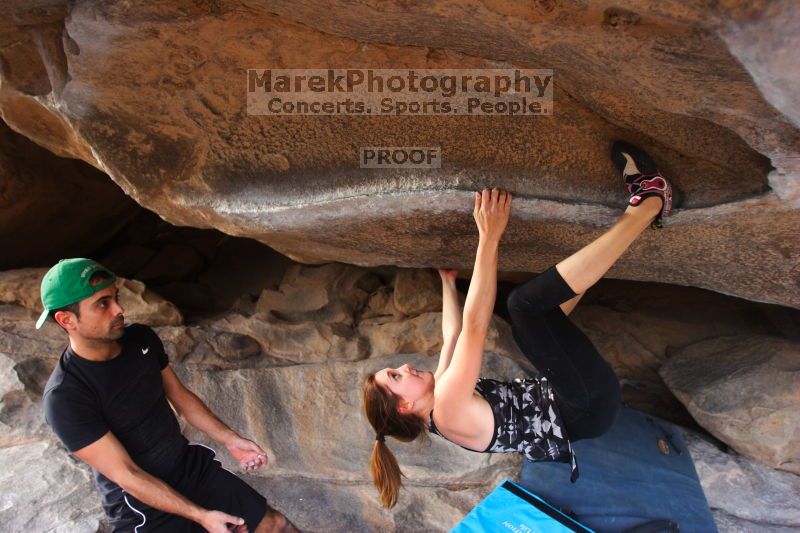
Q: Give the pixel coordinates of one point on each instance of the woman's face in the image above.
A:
(406, 382)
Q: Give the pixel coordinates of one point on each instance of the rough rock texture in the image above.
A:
(284, 368)
(745, 496)
(297, 393)
(19, 337)
(45, 489)
(639, 326)
(15, 406)
(22, 287)
(745, 391)
(144, 306)
(313, 430)
(153, 94)
(417, 291)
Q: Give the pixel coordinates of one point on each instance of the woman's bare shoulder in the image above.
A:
(467, 419)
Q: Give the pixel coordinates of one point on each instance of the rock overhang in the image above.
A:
(154, 96)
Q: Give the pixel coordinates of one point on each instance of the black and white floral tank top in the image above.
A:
(526, 421)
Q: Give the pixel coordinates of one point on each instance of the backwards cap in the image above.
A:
(68, 282)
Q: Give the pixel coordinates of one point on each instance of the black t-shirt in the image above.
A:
(83, 400)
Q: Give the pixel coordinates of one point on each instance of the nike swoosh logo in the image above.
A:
(145, 350)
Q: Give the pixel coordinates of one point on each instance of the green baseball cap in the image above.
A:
(68, 282)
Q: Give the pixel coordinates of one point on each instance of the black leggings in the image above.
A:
(586, 389)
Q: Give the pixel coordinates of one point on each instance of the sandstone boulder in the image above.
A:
(289, 375)
(422, 508)
(380, 306)
(11, 392)
(638, 326)
(423, 334)
(744, 496)
(44, 489)
(21, 388)
(144, 306)
(22, 287)
(417, 291)
(235, 346)
(707, 90)
(180, 341)
(745, 390)
(331, 293)
(304, 342)
(20, 338)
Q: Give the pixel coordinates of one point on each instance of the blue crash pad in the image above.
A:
(509, 508)
(626, 480)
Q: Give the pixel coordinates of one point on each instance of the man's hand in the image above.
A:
(110, 458)
(217, 522)
(248, 453)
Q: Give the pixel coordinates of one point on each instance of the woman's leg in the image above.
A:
(585, 267)
(586, 387)
(570, 304)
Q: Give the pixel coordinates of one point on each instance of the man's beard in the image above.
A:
(112, 335)
(116, 334)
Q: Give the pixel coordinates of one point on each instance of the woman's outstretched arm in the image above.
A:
(491, 213)
(451, 319)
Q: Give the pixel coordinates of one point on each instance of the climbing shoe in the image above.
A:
(642, 178)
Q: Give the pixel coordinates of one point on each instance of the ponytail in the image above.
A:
(385, 473)
(381, 409)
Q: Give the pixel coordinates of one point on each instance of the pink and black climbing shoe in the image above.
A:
(643, 179)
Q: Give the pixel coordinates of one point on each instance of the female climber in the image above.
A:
(578, 394)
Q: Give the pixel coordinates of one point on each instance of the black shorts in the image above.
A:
(202, 480)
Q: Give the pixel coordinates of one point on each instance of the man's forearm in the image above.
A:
(159, 495)
(200, 417)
